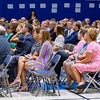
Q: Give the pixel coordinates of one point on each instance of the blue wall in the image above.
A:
(63, 8)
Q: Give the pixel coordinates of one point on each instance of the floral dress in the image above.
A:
(44, 56)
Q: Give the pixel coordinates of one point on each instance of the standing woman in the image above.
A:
(32, 16)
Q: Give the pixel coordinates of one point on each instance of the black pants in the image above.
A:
(64, 56)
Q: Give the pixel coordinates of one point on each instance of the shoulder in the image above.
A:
(46, 43)
(81, 42)
(29, 36)
(93, 45)
(60, 36)
(39, 44)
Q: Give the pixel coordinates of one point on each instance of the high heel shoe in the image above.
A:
(16, 82)
(24, 88)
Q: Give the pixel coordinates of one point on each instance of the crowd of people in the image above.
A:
(32, 43)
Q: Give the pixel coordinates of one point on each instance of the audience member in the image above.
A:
(34, 50)
(98, 30)
(4, 45)
(59, 41)
(66, 54)
(32, 16)
(52, 25)
(44, 55)
(45, 24)
(89, 60)
(73, 39)
(69, 30)
(24, 41)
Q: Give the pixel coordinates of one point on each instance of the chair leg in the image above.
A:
(34, 86)
(5, 85)
(58, 87)
(8, 85)
(53, 87)
(92, 81)
(38, 87)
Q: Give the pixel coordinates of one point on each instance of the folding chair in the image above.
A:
(5, 89)
(69, 46)
(46, 75)
(91, 80)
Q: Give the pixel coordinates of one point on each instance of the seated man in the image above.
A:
(24, 41)
(73, 37)
(4, 45)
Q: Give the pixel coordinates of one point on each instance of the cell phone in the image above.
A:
(27, 56)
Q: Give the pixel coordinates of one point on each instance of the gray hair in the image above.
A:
(2, 30)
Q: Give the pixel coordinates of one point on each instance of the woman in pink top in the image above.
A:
(89, 60)
(65, 53)
(67, 63)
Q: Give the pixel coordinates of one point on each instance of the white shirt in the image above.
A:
(59, 41)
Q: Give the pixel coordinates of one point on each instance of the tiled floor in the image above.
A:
(65, 95)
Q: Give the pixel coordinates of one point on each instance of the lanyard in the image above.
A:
(83, 48)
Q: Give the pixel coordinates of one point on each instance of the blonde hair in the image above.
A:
(45, 35)
(92, 33)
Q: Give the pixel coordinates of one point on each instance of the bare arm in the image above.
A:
(15, 38)
(56, 48)
(34, 56)
(87, 58)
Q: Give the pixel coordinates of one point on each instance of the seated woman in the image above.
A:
(65, 53)
(71, 59)
(59, 41)
(38, 64)
(88, 61)
(34, 50)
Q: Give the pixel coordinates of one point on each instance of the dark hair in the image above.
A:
(29, 18)
(83, 31)
(78, 25)
(29, 27)
(37, 30)
(60, 30)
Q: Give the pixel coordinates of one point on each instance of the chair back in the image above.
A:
(6, 63)
(53, 62)
(69, 46)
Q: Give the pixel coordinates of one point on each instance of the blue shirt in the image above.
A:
(73, 38)
(25, 44)
(36, 48)
(4, 48)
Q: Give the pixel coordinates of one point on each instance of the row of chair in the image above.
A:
(47, 76)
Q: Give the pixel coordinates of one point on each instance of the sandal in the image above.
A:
(82, 85)
(24, 88)
(16, 82)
